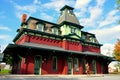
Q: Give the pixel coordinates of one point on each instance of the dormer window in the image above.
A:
(73, 30)
(40, 27)
(56, 31)
(24, 25)
(83, 36)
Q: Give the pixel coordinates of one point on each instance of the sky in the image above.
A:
(99, 17)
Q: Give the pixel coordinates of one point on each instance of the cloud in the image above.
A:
(5, 28)
(110, 18)
(29, 9)
(57, 4)
(107, 49)
(42, 8)
(80, 4)
(93, 13)
(3, 46)
(100, 2)
(46, 17)
(5, 37)
(107, 34)
(81, 8)
(36, 2)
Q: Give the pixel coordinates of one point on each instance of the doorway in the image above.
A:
(94, 66)
(37, 67)
(69, 65)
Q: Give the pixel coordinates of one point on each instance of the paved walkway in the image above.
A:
(60, 77)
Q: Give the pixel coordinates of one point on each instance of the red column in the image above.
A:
(64, 44)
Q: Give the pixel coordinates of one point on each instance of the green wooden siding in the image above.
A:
(66, 30)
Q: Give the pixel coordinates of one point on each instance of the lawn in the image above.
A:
(5, 71)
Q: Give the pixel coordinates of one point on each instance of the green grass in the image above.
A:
(5, 71)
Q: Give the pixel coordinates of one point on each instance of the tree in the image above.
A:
(118, 4)
(116, 51)
(8, 59)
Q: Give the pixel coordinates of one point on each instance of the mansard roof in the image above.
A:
(87, 33)
(40, 20)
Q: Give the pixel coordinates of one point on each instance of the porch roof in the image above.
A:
(35, 46)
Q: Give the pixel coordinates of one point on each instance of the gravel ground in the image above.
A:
(60, 77)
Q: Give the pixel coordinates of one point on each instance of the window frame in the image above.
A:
(83, 36)
(55, 31)
(54, 63)
(76, 64)
(41, 25)
(73, 30)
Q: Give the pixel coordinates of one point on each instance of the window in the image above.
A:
(70, 11)
(76, 65)
(55, 31)
(40, 27)
(24, 26)
(91, 39)
(83, 36)
(73, 30)
(62, 12)
(54, 60)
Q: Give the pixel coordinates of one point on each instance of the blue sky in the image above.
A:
(97, 16)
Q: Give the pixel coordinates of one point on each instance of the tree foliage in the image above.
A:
(118, 4)
(8, 59)
(116, 51)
